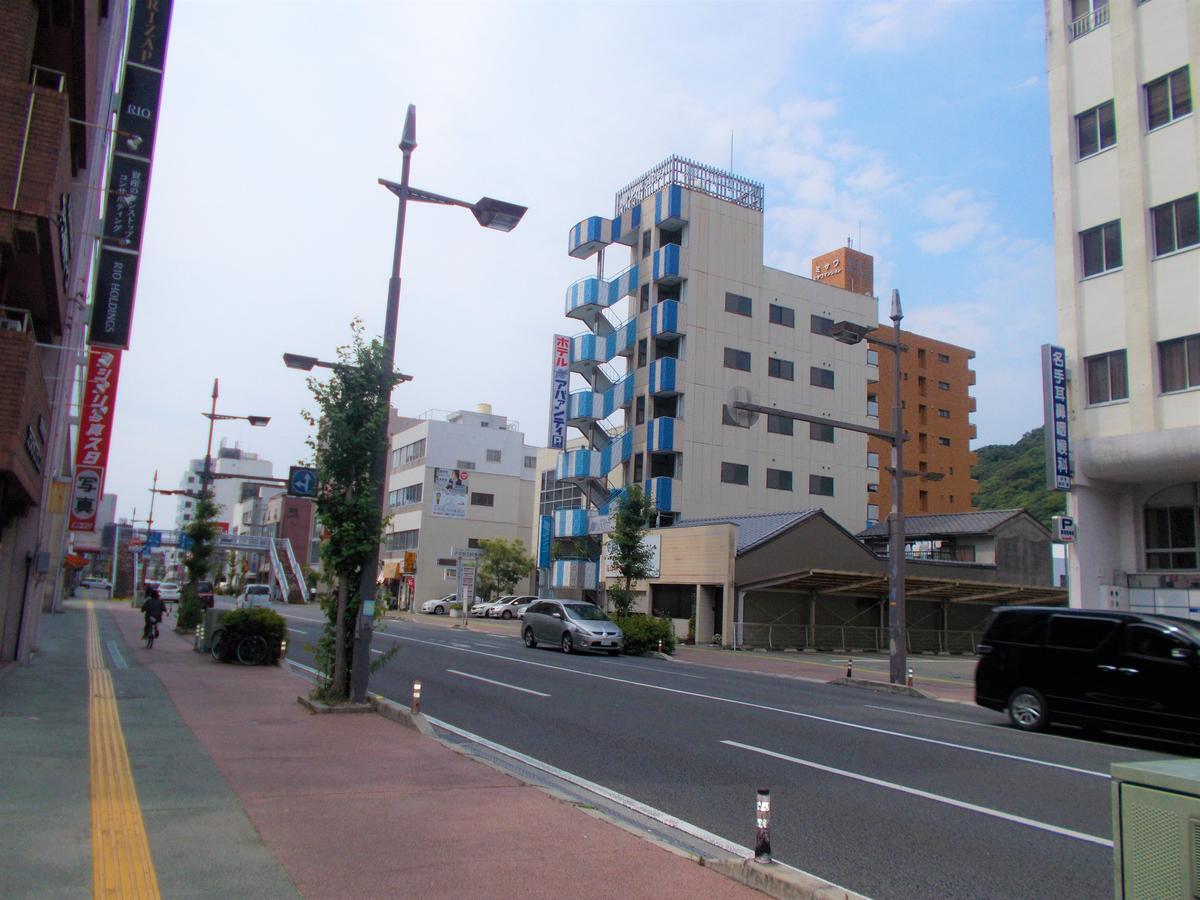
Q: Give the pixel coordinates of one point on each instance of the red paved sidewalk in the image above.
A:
(358, 806)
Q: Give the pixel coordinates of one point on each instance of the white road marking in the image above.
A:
(511, 687)
(377, 651)
(117, 658)
(297, 631)
(775, 709)
(905, 712)
(665, 671)
(620, 799)
(938, 798)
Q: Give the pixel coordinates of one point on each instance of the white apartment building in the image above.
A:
(1125, 148)
(454, 479)
(236, 466)
(699, 314)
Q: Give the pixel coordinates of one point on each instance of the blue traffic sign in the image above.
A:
(302, 481)
(154, 539)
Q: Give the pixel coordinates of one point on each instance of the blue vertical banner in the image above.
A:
(545, 535)
(559, 382)
(1058, 438)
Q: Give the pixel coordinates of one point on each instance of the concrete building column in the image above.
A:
(705, 614)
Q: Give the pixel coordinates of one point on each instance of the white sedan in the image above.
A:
(168, 590)
(253, 595)
(440, 606)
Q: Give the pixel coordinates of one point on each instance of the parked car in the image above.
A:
(480, 608)
(204, 591)
(521, 608)
(253, 595)
(1093, 668)
(440, 606)
(168, 591)
(572, 625)
(90, 582)
(505, 607)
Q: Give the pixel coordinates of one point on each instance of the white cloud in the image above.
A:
(896, 24)
(959, 219)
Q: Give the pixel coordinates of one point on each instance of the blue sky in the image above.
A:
(921, 122)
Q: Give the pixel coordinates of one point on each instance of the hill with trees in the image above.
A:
(1014, 475)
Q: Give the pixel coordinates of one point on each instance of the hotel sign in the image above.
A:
(560, 377)
(1058, 439)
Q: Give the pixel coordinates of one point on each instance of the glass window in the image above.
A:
(872, 514)
(1171, 537)
(943, 413)
(782, 315)
(1107, 377)
(735, 473)
(781, 368)
(639, 411)
(872, 460)
(737, 359)
(1179, 363)
(1146, 640)
(1168, 98)
(737, 304)
(1100, 248)
(493, 456)
(530, 462)
(818, 431)
(638, 468)
(943, 385)
(779, 479)
(1017, 627)
(944, 441)
(821, 485)
(646, 243)
(1080, 632)
(820, 325)
(872, 357)
(479, 499)
(780, 425)
(641, 353)
(644, 298)
(1176, 225)
(1096, 129)
(943, 357)
(819, 377)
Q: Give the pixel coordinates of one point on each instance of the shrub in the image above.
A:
(239, 623)
(621, 601)
(642, 633)
(190, 611)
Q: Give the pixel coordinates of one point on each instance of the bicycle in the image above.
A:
(149, 633)
(249, 649)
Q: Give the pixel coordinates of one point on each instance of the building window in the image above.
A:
(820, 325)
(646, 237)
(1168, 98)
(872, 460)
(779, 480)
(1101, 248)
(1096, 129)
(872, 513)
(1176, 225)
(638, 469)
(780, 425)
(943, 357)
(819, 377)
(735, 473)
(531, 462)
(402, 540)
(873, 488)
(781, 368)
(943, 413)
(1179, 363)
(493, 456)
(943, 385)
(819, 431)
(782, 315)
(639, 411)
(641, 353)
(465, 464)
(737, 359)
(1107, 378)
(1171, 538)
(737, 304)
(872, 405)
(944, 441)
(406, 496)
(479, 499)
(409, 453)
(820, 485)
(1087, 15)
(873, 358)
(644, 298)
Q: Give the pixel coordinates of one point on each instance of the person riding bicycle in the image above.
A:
(153, 609)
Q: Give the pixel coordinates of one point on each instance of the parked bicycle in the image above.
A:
(248, 649)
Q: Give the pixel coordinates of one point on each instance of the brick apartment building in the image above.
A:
(936, 406)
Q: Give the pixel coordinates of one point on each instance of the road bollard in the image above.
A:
(660, 645)
(762, 826)
(910, 678)
(416, 697)
(849, 668)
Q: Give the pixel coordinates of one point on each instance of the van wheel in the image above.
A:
(1027, 709)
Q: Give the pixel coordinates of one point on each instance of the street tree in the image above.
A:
(201, 533)
(502, 565)
(626, 551)
(353, 406)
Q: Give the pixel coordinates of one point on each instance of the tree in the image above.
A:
(626, 551)
(1014, 475)
(504, 563)
(202, 537)
(354, 405)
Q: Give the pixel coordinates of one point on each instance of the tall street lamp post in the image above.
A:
(213, 416)
(489, 213)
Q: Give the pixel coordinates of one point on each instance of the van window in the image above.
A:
(1018, 628)
(1080, 632)
(1146, 640)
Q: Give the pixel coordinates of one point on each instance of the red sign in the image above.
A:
(95, 434)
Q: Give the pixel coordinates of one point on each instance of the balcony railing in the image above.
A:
(1089, 21)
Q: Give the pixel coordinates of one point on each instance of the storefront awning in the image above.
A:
(916, 587)
(390, 571)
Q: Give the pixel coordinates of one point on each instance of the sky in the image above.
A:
(917, 128)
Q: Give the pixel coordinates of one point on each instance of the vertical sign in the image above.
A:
(1058, 440)
(129, 174)
(560, 375)
(545, 534)
(95, 433)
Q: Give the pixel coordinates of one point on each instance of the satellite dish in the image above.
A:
(742, 418)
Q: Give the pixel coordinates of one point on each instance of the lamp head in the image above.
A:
(296, 361)
(848, 332)
(258, 421)
(408, 141)
(498, 214)
(897, 312)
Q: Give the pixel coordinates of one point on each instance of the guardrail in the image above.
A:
(855, 637)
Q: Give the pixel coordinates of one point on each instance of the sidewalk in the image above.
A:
(243, 792)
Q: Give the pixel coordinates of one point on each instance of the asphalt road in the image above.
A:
(889, 796)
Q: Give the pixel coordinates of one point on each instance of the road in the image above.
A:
(890, 796)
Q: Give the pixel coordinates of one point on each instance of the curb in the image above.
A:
(316, 706)
(402, 715)
(779, 880)
(882, 687)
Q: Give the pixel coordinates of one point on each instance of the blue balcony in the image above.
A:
(597, 232)
(668, 265)
(590, 350)
(665, 377)
(569, 523)
(576, 574)
(664, 319)
(595, 293)
(663, 491)
(660, 435)
(669, 207)
(581, 465)
(593, 406)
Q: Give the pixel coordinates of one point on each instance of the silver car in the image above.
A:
(572, 625)
(505, 607)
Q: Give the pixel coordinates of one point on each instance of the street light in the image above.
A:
(851, 333)
(490, 213)
(213, 416)
(308, 363)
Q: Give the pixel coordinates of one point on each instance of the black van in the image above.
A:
(1097, 669)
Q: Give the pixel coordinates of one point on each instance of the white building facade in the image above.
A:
(454, 479)
(236, 466)
(1125, 148)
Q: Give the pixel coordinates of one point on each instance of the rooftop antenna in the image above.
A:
(849, 242)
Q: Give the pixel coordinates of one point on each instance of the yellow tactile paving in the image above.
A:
(121, 862)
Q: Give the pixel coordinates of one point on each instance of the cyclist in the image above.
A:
(153, 609)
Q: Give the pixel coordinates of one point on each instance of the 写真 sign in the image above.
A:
(1058, 438)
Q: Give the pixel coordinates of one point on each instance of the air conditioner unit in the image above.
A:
(11, 325)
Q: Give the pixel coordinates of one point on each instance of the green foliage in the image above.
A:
(354, 404)
(1013, 476)
(503, 564)
(238, 623)
(642, 633)
(626, 552)
(202, 532)
(620, 600)
(190, 610)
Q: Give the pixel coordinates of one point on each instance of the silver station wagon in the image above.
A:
(572, 625)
